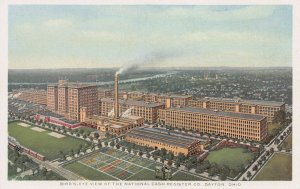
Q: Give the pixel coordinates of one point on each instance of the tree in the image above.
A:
(148, 155)
(96, 135)
(223, 175)
(170, 162)
(84, 136)
(71, 153)
(112, 143)
(140, 153)
(212, 171)
(249, 174)
(106, 143)
(181, 157)
(81, 131)
(155, 158)
(199, 169)
(44, 171)
(163, 152)
(129, 150)
(255, 168)
(99, 145)
(123, 148)
(279, 117)
(189, 165)
(177, 163)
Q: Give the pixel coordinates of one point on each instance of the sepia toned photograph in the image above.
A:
(152, 94)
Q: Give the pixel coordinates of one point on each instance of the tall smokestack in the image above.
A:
(116, 108)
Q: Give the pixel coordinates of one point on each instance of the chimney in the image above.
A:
(116, 108)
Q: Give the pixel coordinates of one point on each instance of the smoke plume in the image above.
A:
(149, 59)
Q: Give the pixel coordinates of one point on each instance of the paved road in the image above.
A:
(268, 147)
(59, 170)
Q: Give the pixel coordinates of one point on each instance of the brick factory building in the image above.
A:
(32, 95)
(172, 142)
(266, 108)
(176, 100)
(115, 126)
(232, 124)
(147, 110)
(67, 98)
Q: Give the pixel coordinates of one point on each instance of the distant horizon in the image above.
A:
(155, 68)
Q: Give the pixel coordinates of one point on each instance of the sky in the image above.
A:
(86, 36)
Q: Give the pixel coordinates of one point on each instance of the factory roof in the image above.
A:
(134, 102)
(164, 137)
(254, 102)
(74, 85)
(220, 113)
(181, 96)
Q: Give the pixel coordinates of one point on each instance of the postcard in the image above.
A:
(150, 94)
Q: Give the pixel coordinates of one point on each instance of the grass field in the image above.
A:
(87, 172)
(182, 176)
(278, 168)
(144, 175)
(287, 143)
(41, 142)
(232, 157)
(272, 126)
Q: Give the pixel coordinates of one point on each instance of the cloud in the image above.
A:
(228, 36)
(210, 14)
(57, 23)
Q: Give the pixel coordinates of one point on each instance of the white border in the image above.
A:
(4, 183)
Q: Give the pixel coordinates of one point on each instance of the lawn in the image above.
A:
(272, 126)
(41, 142)
(182, 176)
(144, 175)
(232, 157)
(287, 143)
(278, 168)
(87, 172)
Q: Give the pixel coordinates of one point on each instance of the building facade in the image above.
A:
(157, 139)
(67, 98)
(232, 124)
(147, 110)
(33, 96)
(265, 108)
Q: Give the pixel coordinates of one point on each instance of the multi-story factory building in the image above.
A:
(232, 124)
(32, 95)
(67, 98)
(105, 93)
(147, 110)
(159, 139)
(176, 100)
(265, 108)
